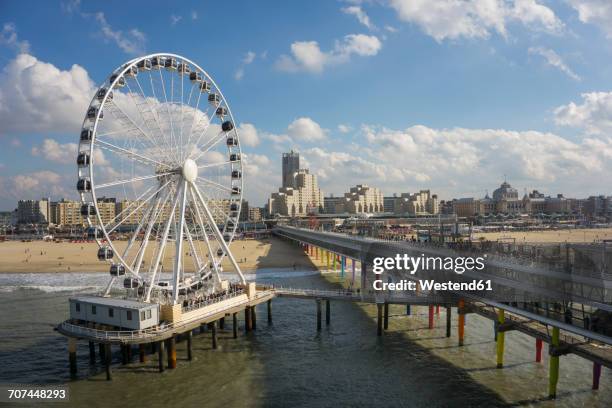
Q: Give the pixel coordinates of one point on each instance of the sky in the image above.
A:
(447, 95)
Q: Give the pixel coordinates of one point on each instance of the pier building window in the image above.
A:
(111, 312)
(93, 309)
(129, 315)
(149, 314)
(142, 315)
(77, 307)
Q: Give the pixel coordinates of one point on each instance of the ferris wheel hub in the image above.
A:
(190, 170)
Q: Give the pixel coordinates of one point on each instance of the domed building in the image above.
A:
(506, 199)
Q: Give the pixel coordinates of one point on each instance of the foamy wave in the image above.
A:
(50, 289)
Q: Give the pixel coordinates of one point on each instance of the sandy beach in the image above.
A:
(41, 256)
(568, 235)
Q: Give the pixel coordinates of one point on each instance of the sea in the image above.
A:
(286, 363)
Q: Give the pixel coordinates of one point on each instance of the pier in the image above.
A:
(562, 336)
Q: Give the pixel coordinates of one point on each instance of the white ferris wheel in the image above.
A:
(160, 139)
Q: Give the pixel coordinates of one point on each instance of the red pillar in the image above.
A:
(437, 310)
(431, 316)
(538, 350)
(596, 375)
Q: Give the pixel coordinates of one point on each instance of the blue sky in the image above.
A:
(449, 95)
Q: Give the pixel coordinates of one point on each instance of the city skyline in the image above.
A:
(373, 93)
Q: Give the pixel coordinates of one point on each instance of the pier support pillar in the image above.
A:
(596, 375)
(253, 318)
(92, 352)
(213, 330)
(437, 310)
(553, 375)
(379, 319)
(353, 270)
(327, 312)
(172, 352)
(160, 355)
(101, 352)
(107, 360)
(342, 266)
(124, 356)
(189, 345)
(461, 321)
(318, 314)
(539, 350)
(269, 311)
(364, 273)
(247, 319)
(408, 309)
(327, 257)
(431, 317)
(448, 321)
(72, 357)
(500, 339)
(235, 325)
(386, 316)
(222, 323)
(142, 353)
(334, 256)
(128, 351)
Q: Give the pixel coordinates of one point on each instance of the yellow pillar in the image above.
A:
(327, 256)
(553, 375)
(500, 339)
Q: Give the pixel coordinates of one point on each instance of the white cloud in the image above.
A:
(453, 19)
(36, 96)
(342, 128)
(248, 134)
(55, 151)
(248, 59)
(34, 185)
(594, 115)
(175, 19)
(553, 59)
(305, 129)
(598, 12)
(361, 15)
(132, 42)
(307, 55)
(8, 37)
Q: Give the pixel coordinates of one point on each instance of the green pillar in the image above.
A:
(334, 261)
(327, 257)
(500, 340)
(553, 375)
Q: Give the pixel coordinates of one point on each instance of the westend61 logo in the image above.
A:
(412, 264)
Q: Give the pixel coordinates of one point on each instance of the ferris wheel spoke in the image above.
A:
(210, 144)
(143, 221)
(214, 184)
(127, 153)
(219, 164)
(217, 233)
(145, 121)
(141, 178)
(155, 112)
(211, 254)
(172, 135)
(127, 217)
(119, 110)
(194, 251)
(159, 210)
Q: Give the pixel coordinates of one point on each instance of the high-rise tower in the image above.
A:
(291, 165)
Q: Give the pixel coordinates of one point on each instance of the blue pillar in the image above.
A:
(353, 270)
(342, 265)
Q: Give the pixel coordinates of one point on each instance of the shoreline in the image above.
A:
(50, 257)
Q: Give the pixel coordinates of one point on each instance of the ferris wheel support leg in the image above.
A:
(178, 258)
(205, 234)
(160, 252)
(145, 239)
(218, 233)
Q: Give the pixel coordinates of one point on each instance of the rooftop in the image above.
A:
(114, 302)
